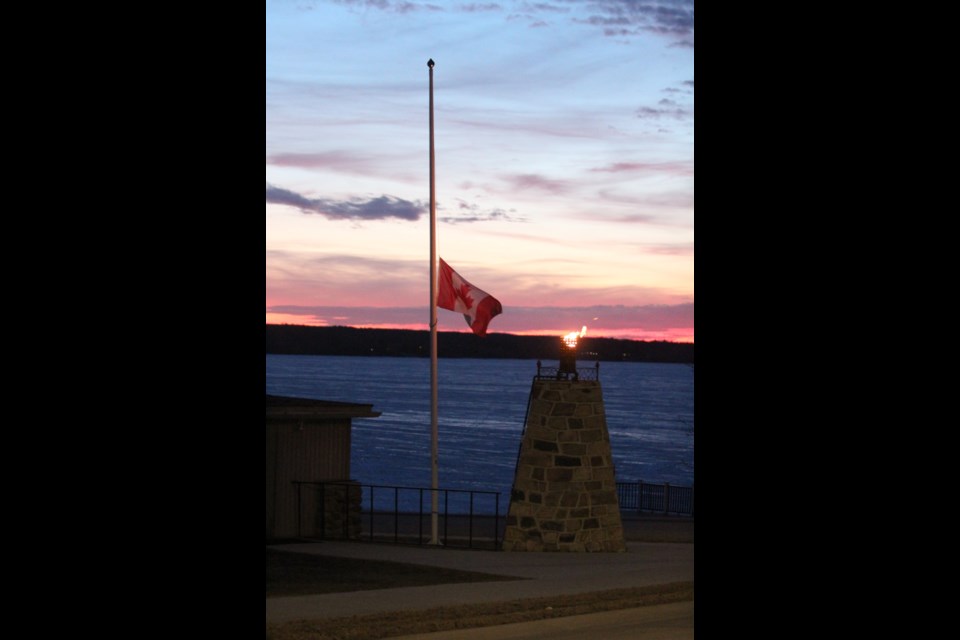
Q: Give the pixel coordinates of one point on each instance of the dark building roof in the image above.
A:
(284, 406)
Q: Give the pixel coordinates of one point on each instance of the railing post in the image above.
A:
(298, 507)
(470, 524)
(666, 498)
(496, 520)
(396, 514)
(446, 514)
(371, 513)
(323, 512)
(346, 511)
(639, 496)
(420, 518)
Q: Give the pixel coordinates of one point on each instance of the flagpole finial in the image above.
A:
(430, 63)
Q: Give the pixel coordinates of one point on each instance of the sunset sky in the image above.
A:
(564, 138)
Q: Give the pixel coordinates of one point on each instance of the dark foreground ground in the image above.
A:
(295, 574)
(299, 574)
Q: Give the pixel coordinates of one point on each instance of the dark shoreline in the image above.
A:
(348, 341)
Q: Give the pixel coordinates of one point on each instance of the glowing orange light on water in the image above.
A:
(571, 338)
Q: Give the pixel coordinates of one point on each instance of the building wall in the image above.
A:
(310, 450)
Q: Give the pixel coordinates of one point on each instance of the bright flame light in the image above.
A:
(571, 338)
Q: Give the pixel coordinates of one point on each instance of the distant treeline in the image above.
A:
(348, 341)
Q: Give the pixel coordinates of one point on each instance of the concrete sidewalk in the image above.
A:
(672, 621)
(643, 564)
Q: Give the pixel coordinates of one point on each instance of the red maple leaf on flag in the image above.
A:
(464, 294)
(476, 305)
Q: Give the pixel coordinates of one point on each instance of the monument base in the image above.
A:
(564, 494)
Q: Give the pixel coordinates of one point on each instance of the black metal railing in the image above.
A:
(388, 513)
(655, 498)
(554, 373)
(466, 518)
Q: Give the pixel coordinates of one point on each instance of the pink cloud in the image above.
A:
(673, 168)
(534, 181)
(338, 161)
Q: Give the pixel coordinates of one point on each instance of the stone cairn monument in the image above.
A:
(564, 494)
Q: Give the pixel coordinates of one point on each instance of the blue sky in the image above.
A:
(564, 163)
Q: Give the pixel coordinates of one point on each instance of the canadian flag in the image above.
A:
(456, 294)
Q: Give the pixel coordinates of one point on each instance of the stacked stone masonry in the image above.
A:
(564, 494)
(339, 511)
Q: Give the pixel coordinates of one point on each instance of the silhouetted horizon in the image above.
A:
(295, 339)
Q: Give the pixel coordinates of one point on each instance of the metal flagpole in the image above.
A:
(434, 454)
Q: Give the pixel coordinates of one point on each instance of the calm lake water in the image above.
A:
(481, 408)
